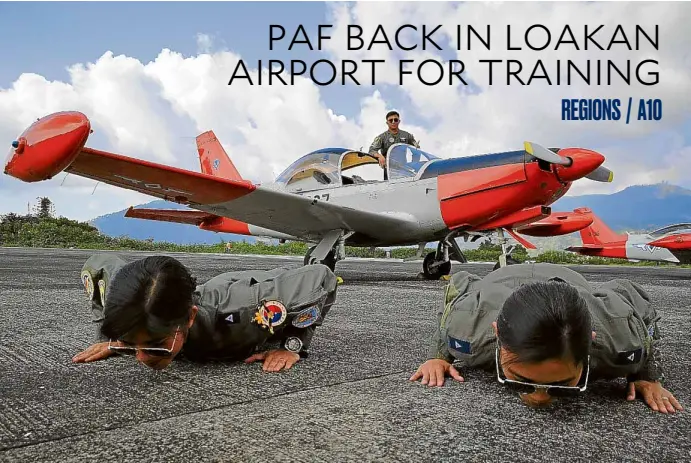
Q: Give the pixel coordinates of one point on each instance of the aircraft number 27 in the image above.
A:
(324, 197)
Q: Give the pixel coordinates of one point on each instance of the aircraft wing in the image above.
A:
(170, 215)
(289, 213)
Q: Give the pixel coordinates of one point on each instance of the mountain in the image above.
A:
(636, 208)
(116, 224)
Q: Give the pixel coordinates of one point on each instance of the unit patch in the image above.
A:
(306, 317)
(270, 314)
(629, 357)
(459, 345)
(88, 283)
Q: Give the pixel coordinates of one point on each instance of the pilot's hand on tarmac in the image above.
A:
(98, 351)
(657, 397)
(275, 360)
(433, 371)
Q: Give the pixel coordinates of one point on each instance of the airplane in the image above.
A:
(667, 244)
(425, 199)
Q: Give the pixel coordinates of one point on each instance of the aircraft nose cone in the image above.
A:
(584, 162)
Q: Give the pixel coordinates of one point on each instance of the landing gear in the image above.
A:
(330, 250)
(509, 261)
(505, 256)
(438, 264)
(329, 260)
(434, 269)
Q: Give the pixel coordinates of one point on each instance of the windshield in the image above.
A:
(406, 161)
(315, 170)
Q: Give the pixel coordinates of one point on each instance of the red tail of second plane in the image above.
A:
(598, 233)
(213, 158)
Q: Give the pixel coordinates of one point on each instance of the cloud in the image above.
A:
(153, 110)
(204, 43)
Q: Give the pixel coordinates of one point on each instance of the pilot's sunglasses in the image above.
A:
(393, 120)
(529, 388)
(152, 351)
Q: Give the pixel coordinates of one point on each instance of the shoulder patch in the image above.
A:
(459, 345)
(306, 317)
(102, 291)
(88, 283)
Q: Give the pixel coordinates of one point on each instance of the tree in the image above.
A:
(44, 208)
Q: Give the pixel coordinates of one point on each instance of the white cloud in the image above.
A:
(153, 110)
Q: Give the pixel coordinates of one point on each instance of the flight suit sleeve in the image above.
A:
(302, 326)
(638, 298)
(413, 141)
(95, 276)
(376, 144)
(460, 284)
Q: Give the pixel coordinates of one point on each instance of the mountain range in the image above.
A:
(634, 209)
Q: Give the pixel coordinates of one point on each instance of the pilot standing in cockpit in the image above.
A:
(392, 136)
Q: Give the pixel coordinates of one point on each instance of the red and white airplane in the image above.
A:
(425, 199)
(668, 244)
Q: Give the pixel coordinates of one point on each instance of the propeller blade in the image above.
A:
(601, 174)
(546, 155)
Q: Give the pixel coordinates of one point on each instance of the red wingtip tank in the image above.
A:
(48, 146)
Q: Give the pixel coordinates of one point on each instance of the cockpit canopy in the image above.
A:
(325, 168)
(672, 229)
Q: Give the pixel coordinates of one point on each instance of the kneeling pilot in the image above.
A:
(152, 308)
(546, 333)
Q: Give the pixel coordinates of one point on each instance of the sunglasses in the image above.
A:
(529, 388)
(393, 120)
(161, 352)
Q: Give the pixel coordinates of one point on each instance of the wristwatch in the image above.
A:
(293, 344)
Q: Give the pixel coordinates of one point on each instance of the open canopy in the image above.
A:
(325, 168)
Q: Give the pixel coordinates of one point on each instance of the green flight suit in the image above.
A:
(625, 322)
(225, 327)
(386, 140)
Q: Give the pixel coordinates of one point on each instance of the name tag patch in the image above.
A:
(459, 345)
(629, 357)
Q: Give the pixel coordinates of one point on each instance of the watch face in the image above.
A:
(293, 344)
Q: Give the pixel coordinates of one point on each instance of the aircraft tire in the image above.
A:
(436, 273)
(329, 261)
(509, 261)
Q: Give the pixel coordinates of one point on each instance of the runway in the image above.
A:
(349, 401)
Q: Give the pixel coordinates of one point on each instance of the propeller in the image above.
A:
(546, 155)
(601, 174)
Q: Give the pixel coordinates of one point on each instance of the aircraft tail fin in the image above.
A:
(598, 232)
(213, 158)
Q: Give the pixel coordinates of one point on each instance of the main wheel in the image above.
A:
(509, 261)
(434, 273)
(329, 260)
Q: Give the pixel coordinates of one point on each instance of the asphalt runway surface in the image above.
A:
(349, 401)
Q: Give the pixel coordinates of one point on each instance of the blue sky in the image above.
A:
(62, 34)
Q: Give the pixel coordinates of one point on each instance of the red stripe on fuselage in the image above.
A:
(473, 197)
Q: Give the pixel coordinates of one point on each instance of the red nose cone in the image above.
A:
(681, 241)
(584, 162)
(48, 146)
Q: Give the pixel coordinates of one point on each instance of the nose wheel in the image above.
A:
(434, 269)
